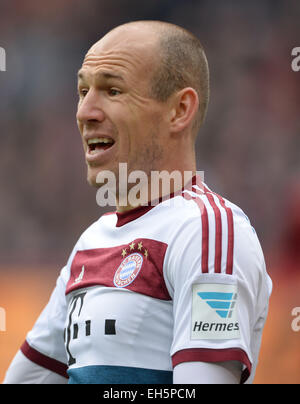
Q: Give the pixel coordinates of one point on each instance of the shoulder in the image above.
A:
(89, 238)
(216, 234)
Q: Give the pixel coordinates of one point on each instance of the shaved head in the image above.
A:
(180, 62)
(143, 89)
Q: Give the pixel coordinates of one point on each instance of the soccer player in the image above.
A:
(174, 291)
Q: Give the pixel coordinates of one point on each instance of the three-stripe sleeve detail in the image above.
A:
(217, 223)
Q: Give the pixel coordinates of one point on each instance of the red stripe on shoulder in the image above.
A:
(218, 237)
(43, 360)
(229, 215)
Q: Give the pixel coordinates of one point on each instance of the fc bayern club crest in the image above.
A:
(128, 270)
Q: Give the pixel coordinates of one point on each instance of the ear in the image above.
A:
(184, 107)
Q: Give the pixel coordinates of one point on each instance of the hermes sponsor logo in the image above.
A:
(214, 312)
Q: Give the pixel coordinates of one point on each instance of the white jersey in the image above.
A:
(146, 290)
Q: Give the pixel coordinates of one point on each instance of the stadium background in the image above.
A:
(248, 148)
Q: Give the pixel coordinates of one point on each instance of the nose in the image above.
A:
(89, 108)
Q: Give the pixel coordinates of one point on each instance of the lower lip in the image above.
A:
(99, 156)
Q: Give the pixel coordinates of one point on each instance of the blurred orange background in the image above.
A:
(24, 294)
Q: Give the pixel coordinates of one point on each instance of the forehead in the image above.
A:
(129, 53)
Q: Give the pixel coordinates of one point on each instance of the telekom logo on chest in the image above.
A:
(128, 270)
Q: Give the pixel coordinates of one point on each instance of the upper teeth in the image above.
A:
(99, 140)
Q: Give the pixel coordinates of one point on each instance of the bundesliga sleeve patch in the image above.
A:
(214, 311)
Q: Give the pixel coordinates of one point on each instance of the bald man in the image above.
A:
(170, 288)
(157, 100)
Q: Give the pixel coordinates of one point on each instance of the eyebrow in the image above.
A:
(105, 75)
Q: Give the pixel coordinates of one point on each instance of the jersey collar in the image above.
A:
(133, 214)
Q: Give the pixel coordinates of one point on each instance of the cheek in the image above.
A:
(79, 126)
(138, 121)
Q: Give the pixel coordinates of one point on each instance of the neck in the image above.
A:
(151, 189)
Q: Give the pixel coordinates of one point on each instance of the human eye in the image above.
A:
(112, 91)
(82, 91)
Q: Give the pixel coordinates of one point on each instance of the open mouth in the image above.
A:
(98, 144)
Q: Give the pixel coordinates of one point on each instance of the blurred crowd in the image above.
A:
(248, 147)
